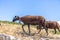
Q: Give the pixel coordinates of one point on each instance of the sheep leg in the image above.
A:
(39, 29)
(46, 29)
(44, 26)
(29, 28)
(58, 29)
(23, 28)
(55, 30)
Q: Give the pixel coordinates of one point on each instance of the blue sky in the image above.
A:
(50, 9)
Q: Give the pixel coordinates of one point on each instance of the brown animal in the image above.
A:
(52, 25)
(31, 20)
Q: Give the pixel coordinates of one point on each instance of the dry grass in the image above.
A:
(16, 30)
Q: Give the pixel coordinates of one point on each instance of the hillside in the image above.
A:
(15, 30)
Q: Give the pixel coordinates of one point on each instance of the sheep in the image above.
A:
(52, 25)
(31, 20)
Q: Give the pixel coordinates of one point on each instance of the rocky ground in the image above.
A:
(14, 32)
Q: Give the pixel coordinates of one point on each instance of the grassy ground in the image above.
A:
(15, 29)
(8, 22)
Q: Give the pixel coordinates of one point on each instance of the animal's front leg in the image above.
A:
(23, 28)
(29, 28)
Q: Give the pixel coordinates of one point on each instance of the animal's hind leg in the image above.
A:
(55, 30)
(44, 26)
(46, 29)
(58, 29)
(39, 29)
